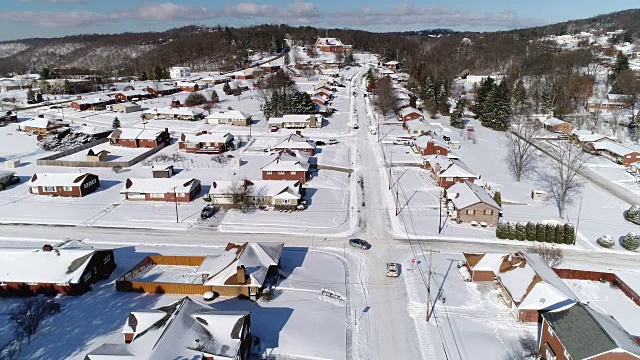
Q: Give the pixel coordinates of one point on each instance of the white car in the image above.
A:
(393, 270)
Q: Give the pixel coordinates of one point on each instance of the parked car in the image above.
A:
(393, 270)
(356, 127)
(333, 141)
(446, 138)
(320, 143)
(353, 93)
(274, 129)
(7, 178)
(207, 212)
(359, 243)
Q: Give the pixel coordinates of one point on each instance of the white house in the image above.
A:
(179, 72)
(232, 117)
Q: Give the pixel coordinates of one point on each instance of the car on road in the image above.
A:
(333, 141)
(393, 269)
(274, 129)
(359, 243)
(353, 93)
(356, 127)
(400, 142)
(320, 143)
(207, 212)
(446, 138)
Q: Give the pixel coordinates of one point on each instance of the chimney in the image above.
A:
(128, 337)
(241, 275)
(299, 132)
(47, 248)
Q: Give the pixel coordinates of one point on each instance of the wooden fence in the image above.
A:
(599, 276)
(54, 160)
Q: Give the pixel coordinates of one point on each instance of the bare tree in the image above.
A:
(29, 314)
(550, 254)
(386, 100)
(522, 156)
(560, 178)
(615, 120)
(514, 352)
(529, 344)
(240, 191)
(595, 118)
(296, 57)
(339, 57)
(308, 72)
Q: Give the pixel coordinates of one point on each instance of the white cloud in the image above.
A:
(167, 12)
(79, 19)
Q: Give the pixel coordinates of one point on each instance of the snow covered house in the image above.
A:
(297, 121)
(528, 286)
(580, 332)
(287, 166)
(174, 113)
(428, 145)
(447, 172)
(179, 72)
(41, 126)
(472, 203)
(553, 124)
(161, 189)
(612, 102)
(162, 90)
(410, 113)
(131, 95)
(332, 45)
(139, 138)
(323, 93)
(69, 268)
(393, 65)
(584, 137)
(624, 154)
(63, 184)
(205, 142)
(277, 193)
(319, 100)
(296, 142)
(124, 107)
(230, 117)
(187, 86)
(185, 329)
(99, 102)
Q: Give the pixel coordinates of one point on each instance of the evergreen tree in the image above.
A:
(521, 231)
(501, 230)
(457, 117)
(531, 231)
(412, 101)
(541, 232)
(497, 197)
(519, 95)
(569, 234)
(546, 102)
(143, 76)
(404, 65)
(442, 87)
(550, 232)
(116, 123)
(287, 60)
(66, 87)
(482, 108)
(537, 99)
(559, 238)
(349, 59)
(214, 97)
(428, 92)
(511, 230)
(45, 73)
(226, 88)
(622, 63)
(500, 112)
(31, 97)
(273, 47)
(306, 104)
(631, 241)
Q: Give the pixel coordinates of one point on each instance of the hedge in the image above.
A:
(549, 232)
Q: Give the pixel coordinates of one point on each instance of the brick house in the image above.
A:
(296, 143)
(319, 100)
(185, 329)
(92, 103)
(139, 138)
(230, 117)
(447, 172)
(583, 137)
(69, 268)
(204, 142)
(616, 152)
(472, 203)
(41, 126)
(287, 166)
(161, 189)
(580, 332)
(187, 86)
(410, 113)
(131, 95)
(332, 45)
(174, 113)
(323, 92)
(162, 90)
(527, 285)
(427, 145)
(63, 184)
(556, 125)
(393, 65)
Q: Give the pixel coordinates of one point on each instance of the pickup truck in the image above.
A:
(7, 178)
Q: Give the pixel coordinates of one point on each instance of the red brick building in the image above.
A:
(92, 103)
(409, 113)
(296, 143)
(187, 86)
(63, 184)
(287, 166)
(616, 152)
(447, 172)
(131, 95)
(163, 90)
(332, 45)
(161, 189)
(204, 142)
(472, 203)
(139, 138)
(427, 145)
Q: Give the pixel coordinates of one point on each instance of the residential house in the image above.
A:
(584, 137)
(185, 329)
(245, 74)
(287, 166)
(297, 121)
(139, 138)
(131, 95)
(332, 45)
(8, 117)
(324, 93)
(418, 127)
(447, 172)
(92, 103)
(174, 113)
(580, 332)
(179, 72)
(410, 113)
(319, 100)
(612, 102)
(230, 117)
(428, 145)
(41, 126)
(69, 268)
(102, 155)
(161, 189)
(162, 90)
(471, 202)
(215, 79)
(624, 154)
(270, 67)
(528, 286)
(401, 104)
(393, 65)
(205, 142)
(187, 86)
(125, 108)
(323, 85)
(556, 125)
(277, 193)
(63, 184)
(296, 143)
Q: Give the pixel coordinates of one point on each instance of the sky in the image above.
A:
(51, 18)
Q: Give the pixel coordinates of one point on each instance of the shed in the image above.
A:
(12, 164)
(163, 173)
(96, 157)
(539, 195)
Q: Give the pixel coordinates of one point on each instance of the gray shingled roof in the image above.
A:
(585, 332)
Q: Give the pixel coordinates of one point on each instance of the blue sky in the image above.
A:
(50, 18)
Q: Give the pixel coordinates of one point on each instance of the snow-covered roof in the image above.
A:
(409, 110)
(170, 332)
(440, 161)
(132, 134)
(255, 257)
(458, 169)
(329, 41)
(98, 99)
(588, 136)
(187, 84)
(295, 141)
(392, 62)
(158, 185)
(129, 105)
(466, 194)
(206, 138)
(163, 87)
(132, 93)
(551, 121)
(293, 118)
(214, 78)
(40, 123)
(62, 265)
(267, 188)
(181, 111)
(418, 125)
(283, 161)
(57, 179)
(230, 114)
(614, 147)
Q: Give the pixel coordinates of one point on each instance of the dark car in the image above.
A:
(446, 138)
(320, 143)
(207, 212)
(359, 243)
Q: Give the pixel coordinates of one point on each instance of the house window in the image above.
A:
(471, 212)
(32, 283)
(549, 354)
(49, 189)
(449, 179)
(438, 152)
(89, 183)
(62, 284)
(87, 277)
(280, 172)
(293, 173)
(67, 188)
(106, 259)
(269, 172)
(488, 212)
(157, 196)
(180, 194)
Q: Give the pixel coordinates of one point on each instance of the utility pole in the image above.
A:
(575, 237)
(397, 201)
(431, 251)
(440, 213)
(175, 198)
